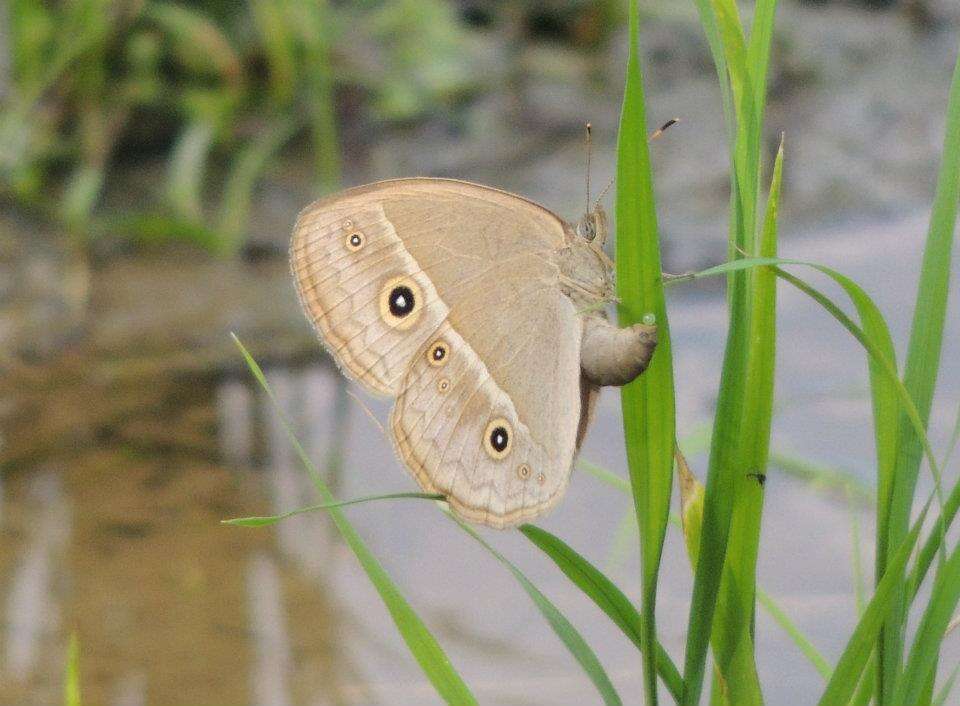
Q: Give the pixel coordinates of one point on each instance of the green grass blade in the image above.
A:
(733, 625)
(874, 336)
(647, 402)
(607, 596)
(930, 633)
(420, 641)
(263, 521)
(920, 373)
(561, 626)
(758, 54)
(71, 676)
(859, 647)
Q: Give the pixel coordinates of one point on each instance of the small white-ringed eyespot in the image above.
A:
(438, 353)
(523, 470)
(355, 240)
(498, 438)
(443, 385)
(347, 224)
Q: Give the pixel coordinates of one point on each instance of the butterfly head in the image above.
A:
(593, 227)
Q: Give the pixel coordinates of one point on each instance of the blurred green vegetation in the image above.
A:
(210, 92)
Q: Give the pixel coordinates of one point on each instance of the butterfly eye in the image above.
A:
(497, 438)
(400, 302)
(355, 240)
(437, 355)
(586, 230)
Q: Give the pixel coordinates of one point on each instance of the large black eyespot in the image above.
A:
(401, 301)
(497, 441)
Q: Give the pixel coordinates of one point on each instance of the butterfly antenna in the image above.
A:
(653, 136)
(589, 135)
(663, 128)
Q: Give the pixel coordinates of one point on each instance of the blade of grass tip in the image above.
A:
(262, 521)
(921, 370)
(605, 594)
(648, 401)
(563, 628)
(420, 641)
(71, 676)
(930, 633)
(850, 666)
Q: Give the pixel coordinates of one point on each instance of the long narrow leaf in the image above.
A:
(647, 402)
(922, 661)
(607, 596)
(920, 374)
(421, 642)
(263, 521)
(561, 626)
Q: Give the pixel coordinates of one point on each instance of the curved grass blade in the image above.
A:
(874, 336)
(607, 596)
(421, 642)
(561, 626)
(930, 633)
(920, 375)
(264, 521)
(647, 402)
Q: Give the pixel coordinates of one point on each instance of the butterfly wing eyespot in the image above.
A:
(401, 301)
(523, 470)
(541, 478)
(498, 438)
(354, 240)
(438, 353)
(443, 384)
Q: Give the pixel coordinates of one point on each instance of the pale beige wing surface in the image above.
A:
(480, 267)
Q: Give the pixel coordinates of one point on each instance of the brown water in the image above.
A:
(118, 469)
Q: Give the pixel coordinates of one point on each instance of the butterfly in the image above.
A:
(482, 313)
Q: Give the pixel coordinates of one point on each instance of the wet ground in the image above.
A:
(134, 428)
